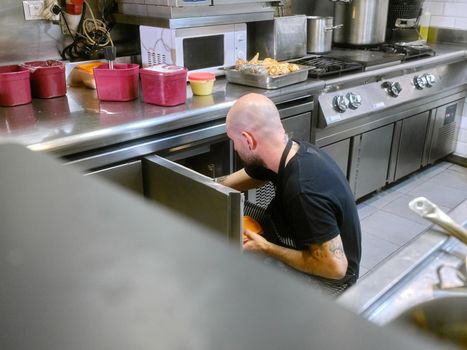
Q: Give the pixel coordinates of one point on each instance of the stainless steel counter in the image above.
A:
(79, 122)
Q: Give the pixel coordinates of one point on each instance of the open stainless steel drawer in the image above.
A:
(194, 195)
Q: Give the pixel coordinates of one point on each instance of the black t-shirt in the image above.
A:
(313, 204)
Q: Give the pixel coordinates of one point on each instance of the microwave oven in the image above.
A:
(206, 49)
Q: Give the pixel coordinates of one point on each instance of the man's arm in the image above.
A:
(326, 260)
(240, 181)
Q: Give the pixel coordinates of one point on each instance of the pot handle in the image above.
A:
(333, 27)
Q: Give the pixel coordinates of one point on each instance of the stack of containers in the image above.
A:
(164, 84)
(118, 84)
(15, 86)
(47, 78)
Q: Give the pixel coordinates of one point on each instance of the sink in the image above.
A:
(427, 268)
(442, 275)
(444, 318)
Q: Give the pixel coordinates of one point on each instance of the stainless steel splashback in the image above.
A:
(23, 40)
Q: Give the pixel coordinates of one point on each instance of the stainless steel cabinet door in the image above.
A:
(194, 195)
(370, 160)
(339, 151)
(411, 144)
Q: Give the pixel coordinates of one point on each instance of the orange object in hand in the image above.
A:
(252, 225)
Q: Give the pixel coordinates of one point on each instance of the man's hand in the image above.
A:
(254, 242)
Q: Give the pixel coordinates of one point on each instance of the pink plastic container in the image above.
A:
(15, 87)
(164, 84)
(47, 78)
(118, 84)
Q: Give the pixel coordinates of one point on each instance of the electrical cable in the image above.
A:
(90, 37)
(93, 27)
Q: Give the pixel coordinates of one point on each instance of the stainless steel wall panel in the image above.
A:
(22, 40)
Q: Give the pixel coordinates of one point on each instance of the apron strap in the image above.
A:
(284, 156)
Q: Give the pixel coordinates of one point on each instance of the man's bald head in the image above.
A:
(257, 114)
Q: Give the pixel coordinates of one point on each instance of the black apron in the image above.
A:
(277, 229)
(277, 233)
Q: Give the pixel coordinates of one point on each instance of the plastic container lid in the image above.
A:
(164, 69)
(43, 67)
(202, 76)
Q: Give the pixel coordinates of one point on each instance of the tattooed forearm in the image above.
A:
(336, 249)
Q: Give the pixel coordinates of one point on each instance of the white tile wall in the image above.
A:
(451, 14)
(447, 13)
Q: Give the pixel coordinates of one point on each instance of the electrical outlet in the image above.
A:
(38, 9)
(33, 9)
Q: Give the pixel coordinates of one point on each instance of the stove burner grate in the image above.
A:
(410, 51)
(324, 66)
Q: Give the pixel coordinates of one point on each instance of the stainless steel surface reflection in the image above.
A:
(79, 121)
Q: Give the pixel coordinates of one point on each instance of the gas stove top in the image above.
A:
(322, 66)
(410, 50)
(342, 61)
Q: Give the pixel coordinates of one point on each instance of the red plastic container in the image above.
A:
(47, 78)
(15, 87)
(164, 84)
(118, 84)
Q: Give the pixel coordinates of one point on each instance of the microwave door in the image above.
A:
(194, 195)
(204, 52)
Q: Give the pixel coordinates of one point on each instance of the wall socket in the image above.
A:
(36, 9)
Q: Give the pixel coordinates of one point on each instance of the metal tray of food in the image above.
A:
(266, 81)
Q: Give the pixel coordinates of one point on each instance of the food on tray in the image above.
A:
(268, 66)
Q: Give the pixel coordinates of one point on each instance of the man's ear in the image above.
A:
(249, 139)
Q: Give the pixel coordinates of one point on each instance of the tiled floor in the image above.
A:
(387, 222)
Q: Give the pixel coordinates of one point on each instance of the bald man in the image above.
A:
(317, 229)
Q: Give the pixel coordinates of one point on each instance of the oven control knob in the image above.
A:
(393, 88)
(430, 79)
(420, 81)
(355, 100)
(340, 103)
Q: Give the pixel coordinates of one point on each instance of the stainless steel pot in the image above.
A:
(319, 34)
(364, 22)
